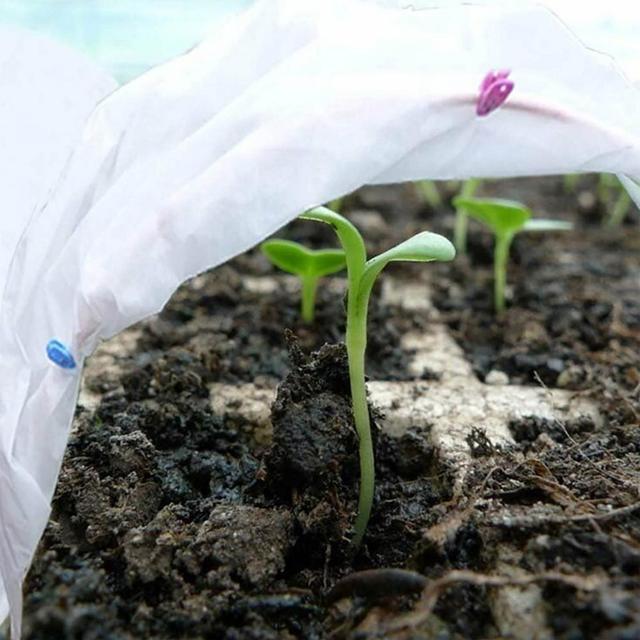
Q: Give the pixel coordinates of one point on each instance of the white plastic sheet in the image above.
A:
(293, 104)
(47, 92)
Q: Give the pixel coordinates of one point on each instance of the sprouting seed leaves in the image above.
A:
(308, 264)
(501, 216)
(423, 247)
(361, 275)
(328, 261)
(505, 218)
(348, 235)
(286, 255)
(297, 259)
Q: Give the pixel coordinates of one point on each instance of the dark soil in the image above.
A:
(170, 522)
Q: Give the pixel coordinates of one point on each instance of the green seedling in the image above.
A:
(570, 182)
(469, 187)
(429, 192)
(607, 183)
(506, 219)
(337, 204)
(614, 198)
(620, 209)
(308, 264)
(361, 276)
(611, 195)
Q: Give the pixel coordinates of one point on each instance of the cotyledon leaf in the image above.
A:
(502, 216)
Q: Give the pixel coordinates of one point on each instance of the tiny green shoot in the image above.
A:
(361, 276)
(505, 218)
(429, 192)
(607, 183)
(611, 195)
(308, 264)
(614, 199)
(469, 187)
(620, 209)
(570, 182)
(337, 204)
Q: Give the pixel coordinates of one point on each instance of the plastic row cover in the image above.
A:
(47, 94)
(290, 105)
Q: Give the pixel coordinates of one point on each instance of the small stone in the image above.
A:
(572, 376)
(587, 202)
(496, 378)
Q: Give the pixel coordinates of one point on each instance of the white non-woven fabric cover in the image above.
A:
(290, 105)
(47, 92)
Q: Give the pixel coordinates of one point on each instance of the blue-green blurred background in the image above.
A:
(129, 36)
(126, 36)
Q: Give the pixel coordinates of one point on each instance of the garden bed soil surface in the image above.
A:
(186, 509)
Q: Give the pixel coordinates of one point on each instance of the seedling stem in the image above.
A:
(361, 276)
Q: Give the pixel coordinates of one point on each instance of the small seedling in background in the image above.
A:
(308, 264)
(429, 192)
(607, 182)
(337, 204)
(506, 219)
(362, 274)
(614, 198)
(469, 187)
(610, 193)
(570, 182)
(620, 209)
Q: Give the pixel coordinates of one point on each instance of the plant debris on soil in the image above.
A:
(174, 520)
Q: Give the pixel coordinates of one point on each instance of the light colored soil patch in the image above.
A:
(450, 406)
(452, 409)
(245, 404)
(268, 284)
(105, 364)
(518, 611)
(435, 351)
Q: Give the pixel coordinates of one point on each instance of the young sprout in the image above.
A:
(615, 198)
(429, 192)
(620, 209)
(361, 276)
(469, 187)
(607, 182)
(570, 182)
(505, 218)
(337, 204)
(308, 264)
(611, 195)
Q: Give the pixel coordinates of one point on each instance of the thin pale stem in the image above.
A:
(620, 209)
(469, 187)
(429, 193)
(570, 182)
(500, 258)
(356, 339)
(460, 230)
(606, 182)
(336, 205)
(308, 305)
